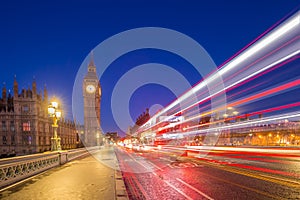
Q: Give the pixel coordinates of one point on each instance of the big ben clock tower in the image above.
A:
(91, 101)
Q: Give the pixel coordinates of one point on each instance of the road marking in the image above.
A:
(281, 179)
(155, 166)
(265, 177)
(172, 186)
(244, 187)
(169, 165)
(195, 189)
(253, 174)
(184, 164)
(132, 178)
(179, 191)
(146, 162)
(167, 159)
(146, 167)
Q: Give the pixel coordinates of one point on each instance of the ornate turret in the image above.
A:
(34, 87)
(92, 63)
(16, 89)
(92, 66)
(4, 92)
(45, 93)
(28, 92)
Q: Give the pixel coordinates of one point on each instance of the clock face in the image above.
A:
(90, 89)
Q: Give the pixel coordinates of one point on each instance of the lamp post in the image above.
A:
(98, 138)
(55, 114)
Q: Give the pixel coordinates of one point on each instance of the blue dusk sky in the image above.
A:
(49, 40)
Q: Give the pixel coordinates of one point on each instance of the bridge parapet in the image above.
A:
(20, 169)
(16, 169)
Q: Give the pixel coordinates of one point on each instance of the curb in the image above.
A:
(121, 192)
(120, 188)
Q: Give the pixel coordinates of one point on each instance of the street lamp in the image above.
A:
(55, 114)
(98, 138)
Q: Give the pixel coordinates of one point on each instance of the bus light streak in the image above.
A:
(261, 44)
(245, 80)
(245, 100)
(232, 85)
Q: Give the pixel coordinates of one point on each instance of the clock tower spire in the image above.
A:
(91, 66)
(91, 100)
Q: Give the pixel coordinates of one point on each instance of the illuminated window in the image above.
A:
(26, 126)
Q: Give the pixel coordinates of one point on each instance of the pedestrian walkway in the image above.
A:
(86, 179)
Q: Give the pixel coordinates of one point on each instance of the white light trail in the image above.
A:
(239, 59)
(245, 78)
(290, 25)
(248, 123)
(228, 87)
(263, 43)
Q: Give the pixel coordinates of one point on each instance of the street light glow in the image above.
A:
(58, 114)
(55, 114)
(54, 104)
(51, 110)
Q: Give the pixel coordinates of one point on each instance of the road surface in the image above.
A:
(163, 174)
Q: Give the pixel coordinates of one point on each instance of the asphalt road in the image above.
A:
(167, 174)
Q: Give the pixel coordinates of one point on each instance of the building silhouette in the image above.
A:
(140, 120)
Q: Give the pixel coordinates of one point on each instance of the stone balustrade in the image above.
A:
(16, 169)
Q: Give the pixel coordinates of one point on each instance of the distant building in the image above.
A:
(25, 127)
(142, 119)
(112, 137)
(204, 122)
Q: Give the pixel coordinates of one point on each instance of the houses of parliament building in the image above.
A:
(25, 127)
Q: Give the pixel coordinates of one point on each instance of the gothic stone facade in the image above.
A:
(25, 127)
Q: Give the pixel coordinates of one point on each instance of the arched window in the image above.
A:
(4, 140)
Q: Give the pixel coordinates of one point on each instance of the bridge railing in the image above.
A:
(20, 169)
(16, 169)
(76, 153)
